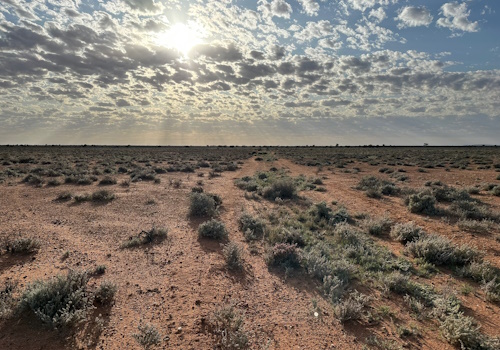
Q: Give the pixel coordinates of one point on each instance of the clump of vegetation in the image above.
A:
(233, 254)
(64, 196)
(284, 188)
(204, 204)
(227, 325)
(252, 228)
(483, 227)
(7, 300)
(60, 302)
(422, 203)
(154, 235)
(105, 294)
(102, 196)
(34, 180)
(213, 229)
(440, 251)
(108, 180)
(471, 210)
(148, 336)
(407, 232)
(377, 227)
(22, 245)
(376, 188)
(284, 255)
(351, 308)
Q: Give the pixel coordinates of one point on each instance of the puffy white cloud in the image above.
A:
(378, 14)
(363, 5)
(410, 16)
(456, 17)
(311, 7)
(278, 8)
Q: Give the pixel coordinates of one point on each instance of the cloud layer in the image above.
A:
(100, 69)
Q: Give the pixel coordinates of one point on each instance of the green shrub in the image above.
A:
(102, 196)
(471, 210)
(233, 255)
(227, 326)
(145, 237)
(108, 180)
(252, 228)
(105, 294)
(213, 229)
(203, 204)
(462, 331)
(421, 203)
(147, 336)
(377, 227)
(351, 308)
(23, 245)
(284, 255)
(440, 251)
(284, 188)
(408, 232)
(60, 302)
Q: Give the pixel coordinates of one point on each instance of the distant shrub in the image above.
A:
(155, 234)
(53, 183)
(377, 227)
(108, 180)
(252, 228)
(102, 196)
(233, 255)
(471, 210)
(33, 180)
(496, 191)
(105, 294)
(213, 229)
(7, 300)
(203, 204)
(60, 302)
(407, 232)
(440, 251)
(227, 326)
(421, 203)
(375, 187)
(147, 336)
(351, 308)
(282, 188)
(482, 227)
(284, 255)
(23, 245)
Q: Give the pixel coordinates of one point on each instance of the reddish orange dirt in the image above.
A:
(176, 284)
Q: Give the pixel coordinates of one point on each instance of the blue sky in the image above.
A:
(279, 72)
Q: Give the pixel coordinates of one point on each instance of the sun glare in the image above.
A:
(181, 37)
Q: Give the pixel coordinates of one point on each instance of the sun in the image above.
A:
(181, 37)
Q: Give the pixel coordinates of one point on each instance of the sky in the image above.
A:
(241, 72)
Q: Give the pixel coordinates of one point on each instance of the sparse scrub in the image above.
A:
(482, 227)
(422, 203)
(108, 180)
(351, 308)
(203, 204)
(440, 251)
(377, 227)
(7, 300)
(227, 325)
(147, 336)
(154, 235)
(22, 245)
(407, 232)
(284, 255)
(105, 294)
(213, 229)
(252, 228)
(233, 254)
(282, 188)
(102, 196)
(60, 302)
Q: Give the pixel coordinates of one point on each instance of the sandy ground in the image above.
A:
(176, 284)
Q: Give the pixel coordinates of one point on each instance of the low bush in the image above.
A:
(213, 229)
(108, 180)
(351, 308)
(60, 302)
(154, 235)
(105, 294)
(284, 188)
(233, 254)
(377, 227)
(227, 325)
(148, 336)
(284, 255)
(23, 245)
(421, 203)
(252, 228)
(203, 204)
(407, 232)
(440, 251)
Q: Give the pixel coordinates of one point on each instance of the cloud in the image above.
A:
(147, 6)
(456, 18)
(378, 14)
(410, 16)
(278, 8)
(363, 5)
(311, 7)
